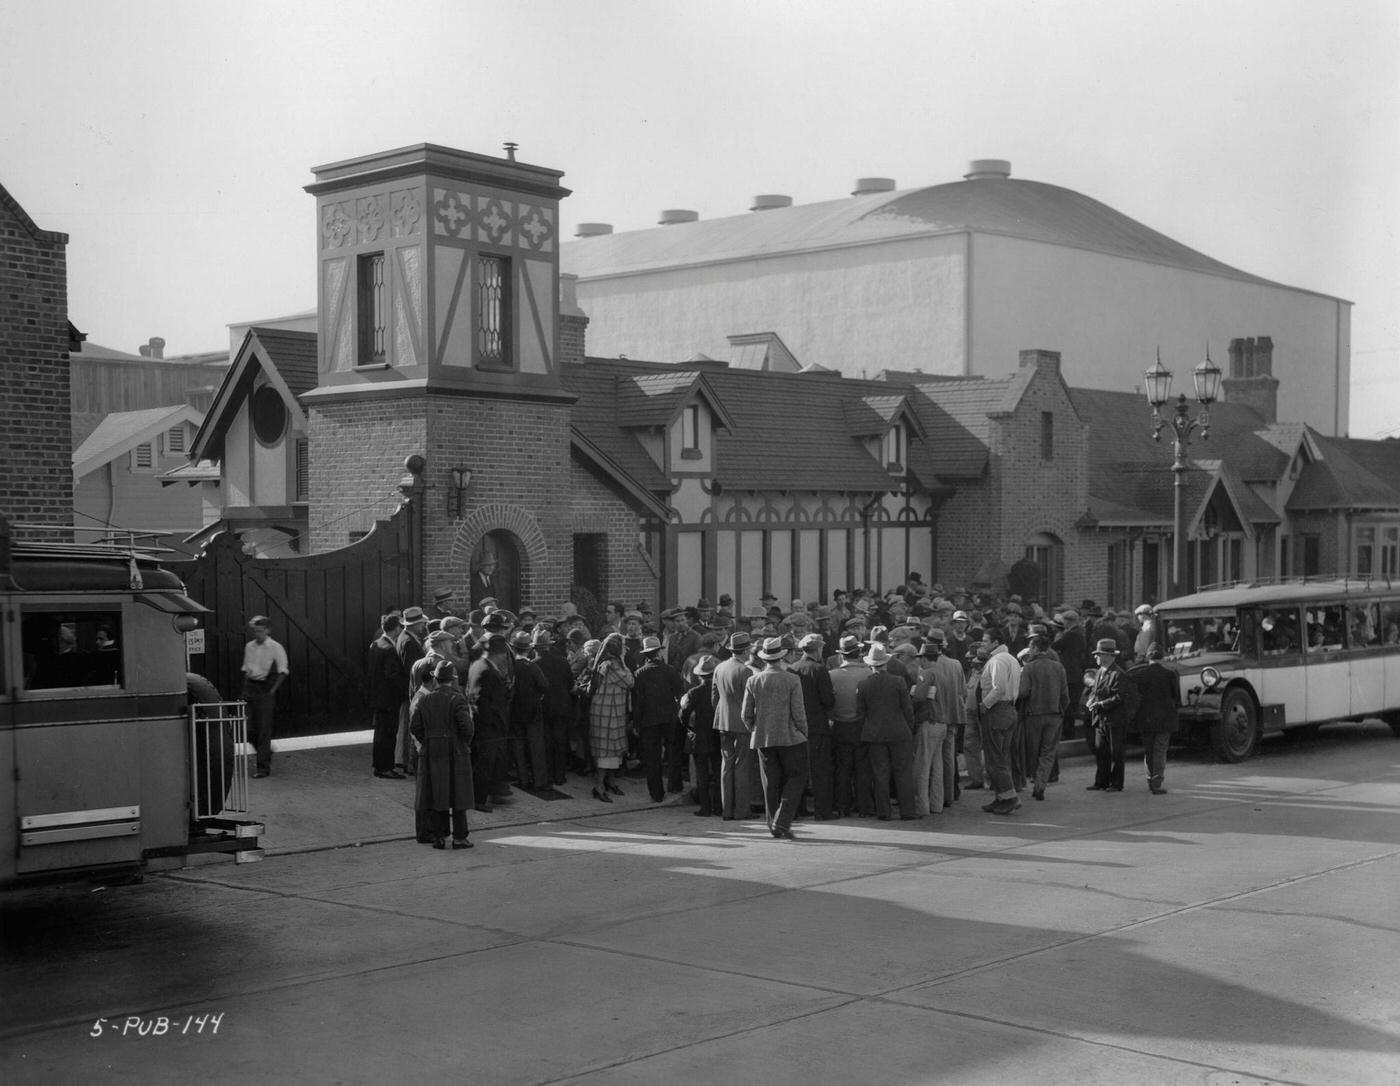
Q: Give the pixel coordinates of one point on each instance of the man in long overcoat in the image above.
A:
(441, 726)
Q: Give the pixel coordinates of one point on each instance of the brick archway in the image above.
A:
(496, 517)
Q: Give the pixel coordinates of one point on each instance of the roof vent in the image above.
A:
(673, 215)
(866, 185)
(983, 169)
(769, 201)
(592, 229)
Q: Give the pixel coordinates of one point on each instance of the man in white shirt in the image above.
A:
(1001, 684)
(264, 670)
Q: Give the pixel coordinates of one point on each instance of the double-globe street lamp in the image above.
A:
(1206, 378)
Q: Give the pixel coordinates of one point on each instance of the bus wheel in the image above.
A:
(1235, 734)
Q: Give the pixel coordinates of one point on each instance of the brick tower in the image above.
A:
(438, 288)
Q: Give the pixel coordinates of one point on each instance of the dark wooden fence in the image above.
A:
(325, 610)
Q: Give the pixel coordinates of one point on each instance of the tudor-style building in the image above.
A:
(446, 332)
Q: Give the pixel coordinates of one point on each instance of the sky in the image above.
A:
(171, 140)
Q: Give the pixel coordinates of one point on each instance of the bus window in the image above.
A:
(71, 648)
(1364, 625)
(1278, 631)
(1323, 628)
(1390, 622)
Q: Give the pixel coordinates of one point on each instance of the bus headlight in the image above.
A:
(1210, 678)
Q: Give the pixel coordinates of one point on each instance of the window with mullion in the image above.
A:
(493, 310)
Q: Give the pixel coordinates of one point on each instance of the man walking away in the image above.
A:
(777, 722)
(1159, 694)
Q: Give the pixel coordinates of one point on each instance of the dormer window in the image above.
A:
(896, 447)
(175, 440)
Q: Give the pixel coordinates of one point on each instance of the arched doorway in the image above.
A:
(496, 570)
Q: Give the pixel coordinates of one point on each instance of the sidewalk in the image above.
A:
(322, 795)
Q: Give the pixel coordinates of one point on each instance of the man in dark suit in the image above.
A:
(887, 728)
(388, 692)
(484, 581)
(411, 648)
(1159, 695)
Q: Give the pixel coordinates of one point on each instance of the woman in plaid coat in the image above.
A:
(607, 716)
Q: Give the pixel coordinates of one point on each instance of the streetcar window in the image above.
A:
(71, 648)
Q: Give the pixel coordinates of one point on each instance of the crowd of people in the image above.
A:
(866, 706)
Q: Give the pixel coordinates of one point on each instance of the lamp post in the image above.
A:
(1158, 380)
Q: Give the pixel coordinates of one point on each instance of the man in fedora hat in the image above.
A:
(442, 604)
(1112, 703)
(1044, 699)
(851, 764)
(264, 670)
(887, 730)
(777, 722)
(656, 711)
(736, 755)
(817, 700)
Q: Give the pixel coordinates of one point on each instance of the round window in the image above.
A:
(269, 415)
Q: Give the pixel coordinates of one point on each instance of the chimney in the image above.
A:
(1264, 356)
(983, 169)
(144, 350)
(674, 215)
(1237, 357)
(573, 321)
(770, 201)
(592, 229)
(866, 185)
(1252, 381)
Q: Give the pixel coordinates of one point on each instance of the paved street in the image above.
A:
(1242, 929)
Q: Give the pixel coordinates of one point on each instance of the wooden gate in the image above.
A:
(325, 610)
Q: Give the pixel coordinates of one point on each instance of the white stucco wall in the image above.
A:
(898, 304)
(1107, 315)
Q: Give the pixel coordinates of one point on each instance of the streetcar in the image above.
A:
(114, 760)
(1291, 655)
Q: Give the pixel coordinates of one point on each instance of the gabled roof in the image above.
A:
(655, 399)
(121, 431)
(874, 414)
(1343, 476)
(783, 430)
(289, 361)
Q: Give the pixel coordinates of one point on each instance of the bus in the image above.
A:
(114, 760)
(1267, 657)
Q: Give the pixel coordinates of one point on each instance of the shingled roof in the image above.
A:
(1349, 474)
(288, 359)
(786, 430)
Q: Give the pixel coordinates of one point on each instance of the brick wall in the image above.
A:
(357, 453)
(1024, 494)
(595, 507)
(572, 336)
(518, 453)
(36, 431)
